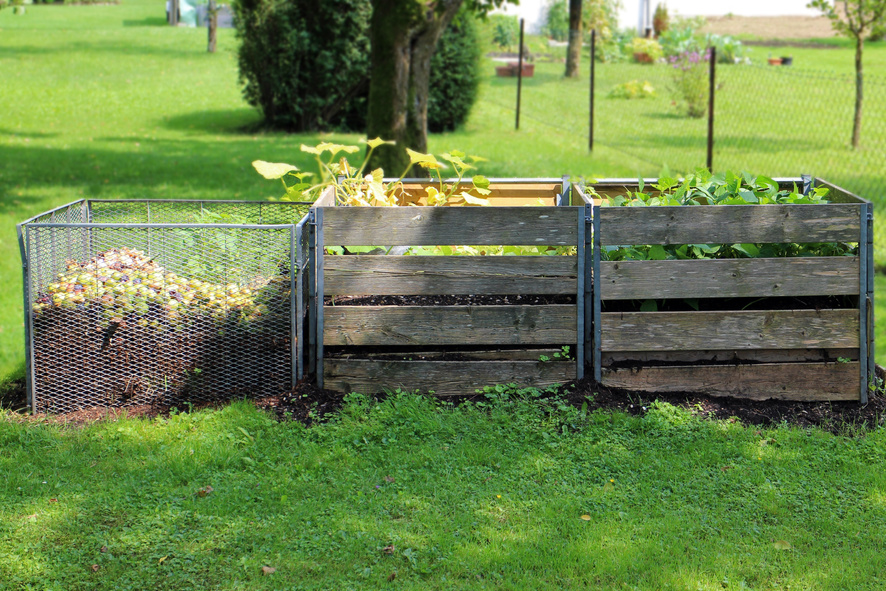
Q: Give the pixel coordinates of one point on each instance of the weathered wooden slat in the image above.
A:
(781, 381)
(444, 378)
(449, 325)
(729, 224)
(421, 226)
(748, 355)
(520, 354)
(326, 198)
(498, 191)
(743, 329)
(431, 275)
(747, 278)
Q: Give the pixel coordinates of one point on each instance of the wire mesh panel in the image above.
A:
(132, 313)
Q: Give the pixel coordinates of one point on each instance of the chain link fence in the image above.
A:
(159, 302)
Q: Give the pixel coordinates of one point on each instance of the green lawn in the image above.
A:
(410, 494)
(108, 102)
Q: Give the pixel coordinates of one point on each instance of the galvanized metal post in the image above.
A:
(580, 296)
(519, 76)
(24, 249)
(319, 299)
(588, 280)
(863, 247)
(312, 291)
(598, 351)
(299, 272)
(294, 303)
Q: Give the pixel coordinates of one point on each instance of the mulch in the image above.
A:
(311, 405)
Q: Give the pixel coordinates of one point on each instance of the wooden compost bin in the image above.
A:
(806, 352)
(452, 348)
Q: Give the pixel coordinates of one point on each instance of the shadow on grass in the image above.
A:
(153, 21)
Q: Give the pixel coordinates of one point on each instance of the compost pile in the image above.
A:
(119, 329)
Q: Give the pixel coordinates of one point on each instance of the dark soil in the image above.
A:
(310, 405)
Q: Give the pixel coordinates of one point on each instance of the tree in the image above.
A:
(573, 51)
(403, 36)
(858, 20)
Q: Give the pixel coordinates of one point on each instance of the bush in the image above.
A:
(690, 82)
(505, 31)
(645, 47)
(455, 74)
(557, 21)
(305, 63)
(729, 49)
(633, 89)
(660, 20)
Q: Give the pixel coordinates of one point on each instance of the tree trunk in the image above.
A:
(213, 25)
(404, 36)
(573, 52)
(859, 91)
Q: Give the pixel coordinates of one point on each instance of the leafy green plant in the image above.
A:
(704, 188)
(505, 32)
(645, 50)
(690, 81)
(729, 49)
(356, 188)
(633, 89)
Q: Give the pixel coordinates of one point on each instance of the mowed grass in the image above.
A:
(411, 494)
(108, 102)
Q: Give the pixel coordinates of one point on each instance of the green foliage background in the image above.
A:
(304, 63)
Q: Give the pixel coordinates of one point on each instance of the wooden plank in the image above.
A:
(421, 226)
(521, 354)
(449, 325)
(523, 192)
(444, 378)
(743, 278)
(730, 224)
(624, 358)
(740, 329)
(457, 275)
(780, 381)
(326, 198)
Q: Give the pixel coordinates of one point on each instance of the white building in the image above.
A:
(633, 12)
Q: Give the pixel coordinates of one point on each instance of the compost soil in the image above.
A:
(310, 405)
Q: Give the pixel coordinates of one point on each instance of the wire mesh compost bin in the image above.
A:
(161, 302)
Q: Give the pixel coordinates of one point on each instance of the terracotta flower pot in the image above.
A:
(775, 61)
(643, 58)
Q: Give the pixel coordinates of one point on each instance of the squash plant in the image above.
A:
(354, 186)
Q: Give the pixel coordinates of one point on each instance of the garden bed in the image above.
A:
(452, 342)
(819, 348)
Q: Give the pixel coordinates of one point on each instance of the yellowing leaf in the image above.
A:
(336, 148)
(374, 143)
(471, 200)
(268, 570)
(162, 559)
(586, 517)
(378, 175)
(272, 170)
(608, 486)
(426, 160)
(310, 150)
(435, 197)
(782, 545)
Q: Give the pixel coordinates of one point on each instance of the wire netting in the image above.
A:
(124, 311)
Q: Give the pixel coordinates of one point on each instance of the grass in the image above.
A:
(108, 102)
(410, 493)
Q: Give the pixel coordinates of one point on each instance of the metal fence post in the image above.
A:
(519, 76)
(593, 78)
(598, 351)
(712, 75)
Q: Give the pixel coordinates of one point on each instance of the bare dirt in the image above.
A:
(771, 28)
